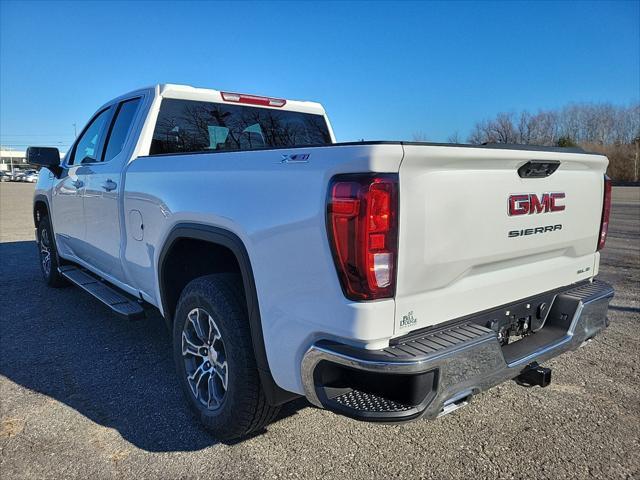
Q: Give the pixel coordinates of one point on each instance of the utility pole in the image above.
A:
(75, 133)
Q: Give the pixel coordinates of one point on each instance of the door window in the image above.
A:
(86, 149)
(120, 128)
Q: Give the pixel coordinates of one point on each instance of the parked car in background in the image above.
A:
(30, 176)
(16, 175)
(5, 177)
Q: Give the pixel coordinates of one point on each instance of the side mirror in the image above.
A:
(48, 157)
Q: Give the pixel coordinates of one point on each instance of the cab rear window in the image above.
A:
(186, 126)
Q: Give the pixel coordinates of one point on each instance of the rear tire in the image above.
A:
(214, 358)
(48, 255)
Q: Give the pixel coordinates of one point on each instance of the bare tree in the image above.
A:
(603, 127)
(478, 134)
(602, 124)
(454, 138)
(500, 130)
(419, 136)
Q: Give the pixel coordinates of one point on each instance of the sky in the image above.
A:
(382, 70)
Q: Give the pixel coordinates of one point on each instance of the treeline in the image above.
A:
(605, 128)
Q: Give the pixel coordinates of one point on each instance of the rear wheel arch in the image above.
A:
(219, 243)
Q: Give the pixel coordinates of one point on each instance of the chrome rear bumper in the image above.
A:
(447, 365)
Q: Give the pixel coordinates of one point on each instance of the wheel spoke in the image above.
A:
(194, 319)
(44, 238)
(190, 348)
(220, 369)
(46, 259)
(214, 333)
(195, 378)
(213, 400)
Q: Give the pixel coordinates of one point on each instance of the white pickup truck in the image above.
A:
(385, 281)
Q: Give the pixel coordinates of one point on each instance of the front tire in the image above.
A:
(48, 255)
(214, 358)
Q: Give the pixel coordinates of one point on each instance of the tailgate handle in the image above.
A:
(538, 168)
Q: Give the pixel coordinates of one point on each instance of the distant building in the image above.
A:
(10, 157)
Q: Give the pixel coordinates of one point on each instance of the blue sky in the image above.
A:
(383, 70)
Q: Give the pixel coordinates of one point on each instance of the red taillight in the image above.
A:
(253, 99)
(362, 223)
(606, 211)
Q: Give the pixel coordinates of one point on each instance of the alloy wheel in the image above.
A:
(45, 251)
(205, 359)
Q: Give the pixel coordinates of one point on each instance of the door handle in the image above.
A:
(77, 183)
(109, 185)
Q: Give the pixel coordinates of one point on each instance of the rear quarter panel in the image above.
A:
(278, 210)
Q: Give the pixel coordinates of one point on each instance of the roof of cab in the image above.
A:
(187, 92)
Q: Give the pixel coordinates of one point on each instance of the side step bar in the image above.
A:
(112, 298)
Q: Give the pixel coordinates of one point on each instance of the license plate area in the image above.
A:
(518, 320)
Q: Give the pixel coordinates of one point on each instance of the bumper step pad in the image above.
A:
(118, 302)
(435, 341)
(368, 402)
(420, 345)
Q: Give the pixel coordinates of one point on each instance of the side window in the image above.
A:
(86, 149)
(120, 128)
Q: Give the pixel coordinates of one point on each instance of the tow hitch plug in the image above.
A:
(534, 374)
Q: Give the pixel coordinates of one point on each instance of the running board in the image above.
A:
(110, 296)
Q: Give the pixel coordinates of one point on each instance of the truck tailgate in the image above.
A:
(456, 253)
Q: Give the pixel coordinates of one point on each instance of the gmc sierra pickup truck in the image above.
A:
(385, 281)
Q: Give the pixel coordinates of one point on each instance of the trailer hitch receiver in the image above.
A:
(533, 375)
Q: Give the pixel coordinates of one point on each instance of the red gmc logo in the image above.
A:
(530, 203)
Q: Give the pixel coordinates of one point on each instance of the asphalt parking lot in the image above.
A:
(85, 394)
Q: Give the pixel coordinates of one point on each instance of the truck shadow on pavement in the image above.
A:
(120, 374)
(624, 309)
